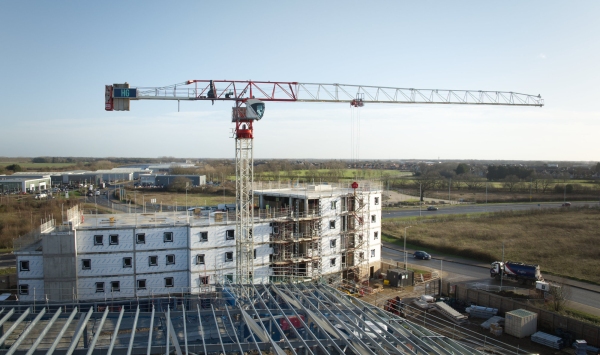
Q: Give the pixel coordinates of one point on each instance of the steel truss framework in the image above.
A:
(234, 90)
(237, 319)
(244, 165)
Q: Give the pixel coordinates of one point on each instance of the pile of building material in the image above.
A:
(481, 312)
(425, 302)
(547, 339)
(494, 319)
(581, 348)
(450, 313)
(520, 323)
(496, 329)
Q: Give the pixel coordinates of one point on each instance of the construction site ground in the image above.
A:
(447, 327)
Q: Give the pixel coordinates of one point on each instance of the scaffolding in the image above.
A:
(295, 239)
(355, 239)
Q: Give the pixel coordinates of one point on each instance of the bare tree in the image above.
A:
(559, 295)
(510, 182)
(427, 181)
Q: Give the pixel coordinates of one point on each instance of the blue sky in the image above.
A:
(57, 56)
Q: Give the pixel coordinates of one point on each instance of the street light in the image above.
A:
(420, 200)
(405, 261)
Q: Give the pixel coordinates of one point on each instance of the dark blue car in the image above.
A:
(421, 255)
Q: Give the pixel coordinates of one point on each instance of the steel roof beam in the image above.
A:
(14, 326)
(149, 332)
(237, 340)
(320, 320)
(201, 331)
(218, 329)
(185, 338)
(133, 328)
(79, 331)
(62, 332)
(265, 333)
(25, 333)
(289, 321)
(174, 335)
(363, 334)
(97, 333)
(275, 321)
(242, 313)
(7, 316)
(376, 328)
(44, 332)
(115, 332)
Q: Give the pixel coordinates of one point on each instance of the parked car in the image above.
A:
(566, 204)
(421, 255)
(432, 208)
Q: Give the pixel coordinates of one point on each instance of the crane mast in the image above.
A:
(249, 97)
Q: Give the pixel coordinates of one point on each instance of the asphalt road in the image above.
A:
(469, 271)
(478, 208)
(7, 260)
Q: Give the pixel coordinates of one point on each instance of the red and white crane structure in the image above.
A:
(249, 97)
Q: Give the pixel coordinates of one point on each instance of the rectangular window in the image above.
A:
(127, 262)
(86, 264)
(153, 260)
(332, 262)
(168, 237)
(332, 243)
(331, 224)
(204, 280)
(229, 277)
(171, 259)
(361, 256)
(200, 259)
(375, 235)
(113, 239)
(169, 282)
(254, 253)
(204, 236)
(373, 218)
(98, 240)
(360, 238)
(24, 265)
(276, 230)
(229, 235)
(140, 238)
(372, 253)
(141, 284)
(376, 200)
(229, 256)
(115, 286)
(23, 289)
(333, 205)
(99, 286)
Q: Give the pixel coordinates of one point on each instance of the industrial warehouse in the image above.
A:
(314, 232)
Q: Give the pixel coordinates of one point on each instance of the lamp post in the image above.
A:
(405, 261)
(420, 200)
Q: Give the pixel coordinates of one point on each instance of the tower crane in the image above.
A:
(248, 99)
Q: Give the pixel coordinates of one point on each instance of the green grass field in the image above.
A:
(562, 241)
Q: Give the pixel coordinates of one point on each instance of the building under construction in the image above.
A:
(300, 233)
